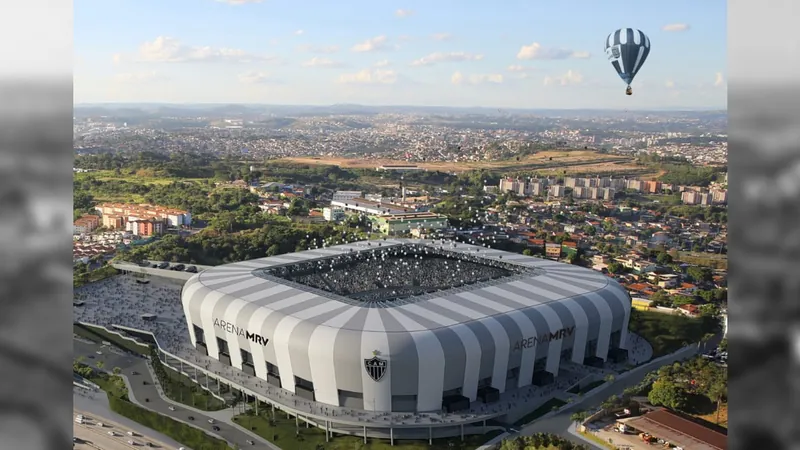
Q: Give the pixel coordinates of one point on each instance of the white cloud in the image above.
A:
(239, 2)
(137, 77)
(569, 78)
(371, 45)
(459, 78)
(328, 49)
(299, 32)
(537, 51)
(676, 27)
(442, 36)
(522, 71)
(403, 13)
(167, 49)
(322, 62)
(669, 84)
(438, 57)
(254, 77)
(370, 76)
(116, 58)
(719, 80)
(383, 63)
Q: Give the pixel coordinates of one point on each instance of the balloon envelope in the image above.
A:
(627, 50)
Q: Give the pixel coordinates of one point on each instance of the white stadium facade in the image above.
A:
(421, 353)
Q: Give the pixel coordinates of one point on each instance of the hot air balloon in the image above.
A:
(627, 50)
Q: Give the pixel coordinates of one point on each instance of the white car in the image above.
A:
(210, 420)
(99, 352)
(111, 433)
(172, 408)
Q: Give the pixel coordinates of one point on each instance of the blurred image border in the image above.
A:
(763, 301)
(36, 136)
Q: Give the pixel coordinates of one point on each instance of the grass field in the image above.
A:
(284, 434)
(723, 416)
(712, 260)
(667, 333)
(140, 177)
(555, 162)
(546, 407)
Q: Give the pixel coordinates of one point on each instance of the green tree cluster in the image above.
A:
(540, 441)
(677, 384)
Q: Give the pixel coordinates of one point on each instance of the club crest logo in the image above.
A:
(376, 366)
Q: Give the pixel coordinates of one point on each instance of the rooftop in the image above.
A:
(679, 431)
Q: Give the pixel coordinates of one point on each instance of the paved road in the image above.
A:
(129, 364)
(559, 423)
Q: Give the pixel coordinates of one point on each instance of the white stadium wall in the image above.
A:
(461, 339)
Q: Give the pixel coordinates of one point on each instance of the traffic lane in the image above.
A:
(145, 391)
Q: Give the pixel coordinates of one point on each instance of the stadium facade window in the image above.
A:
(302, 382)
(273, 370)
(540, 364)
(485, 382)
(247, 357)
(199, 334)
(615, 339)
(566, 354)
(222, 345)
(513, 373)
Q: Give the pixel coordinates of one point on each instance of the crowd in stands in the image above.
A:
(385, 274)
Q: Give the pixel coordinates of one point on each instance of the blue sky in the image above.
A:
(512, 53)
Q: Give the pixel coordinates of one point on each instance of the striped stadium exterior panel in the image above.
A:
(459, 339)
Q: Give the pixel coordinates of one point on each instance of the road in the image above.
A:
(130, 364)
(560, 422)
(93, 437)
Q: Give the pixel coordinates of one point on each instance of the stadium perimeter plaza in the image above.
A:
(403, 360)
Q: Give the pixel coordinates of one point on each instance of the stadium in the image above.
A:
(405, 325)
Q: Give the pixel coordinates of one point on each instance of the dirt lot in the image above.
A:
(547, 162)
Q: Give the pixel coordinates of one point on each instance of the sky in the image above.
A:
(505, 54)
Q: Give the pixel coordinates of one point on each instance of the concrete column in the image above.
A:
(195, 374)
(307, 424)
(430, 435)
(256, 405)
(365, 435)
(180, 365)
(484, 427)
(327, 431)
(462, 431)
(391, 436)
(296, 423)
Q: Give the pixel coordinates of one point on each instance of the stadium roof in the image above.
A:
(548, 282)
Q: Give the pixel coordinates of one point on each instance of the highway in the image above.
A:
(93, 437)
(130, 364)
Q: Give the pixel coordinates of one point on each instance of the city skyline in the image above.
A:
(543, 56)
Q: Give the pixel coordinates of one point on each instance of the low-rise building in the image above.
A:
(403, 223)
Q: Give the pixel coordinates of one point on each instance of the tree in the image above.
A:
(590, 230)
(578, 417)
(699, 274)
(615, 268)
(527, 252)
(667, 394)
(663, 258)
(100, 364)
(117, 370)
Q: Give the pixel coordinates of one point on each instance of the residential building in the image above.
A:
(557, 191)
(333, 214)
(552, 250)
(402, 223)
(652, 187)
(368, 207)
(146, 228)
(86, 224)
